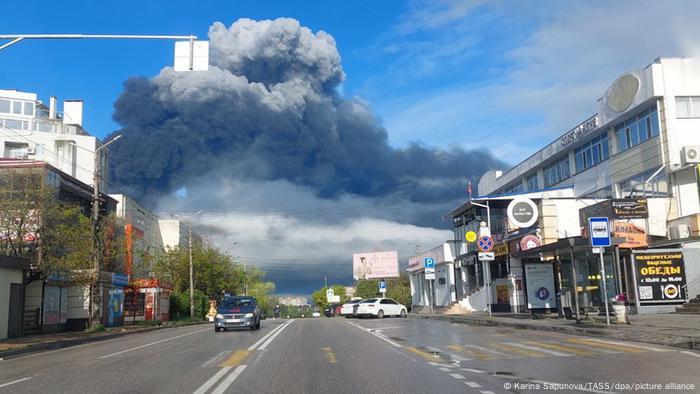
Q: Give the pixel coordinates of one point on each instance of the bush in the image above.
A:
(180, 305)
(99, 327)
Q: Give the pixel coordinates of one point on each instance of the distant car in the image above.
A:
(380, 307)
(348, 309)
(237, 312)
(316, 314)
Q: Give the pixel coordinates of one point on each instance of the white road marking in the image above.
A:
(213, 359)
(483, 349)
(627, 344)
(536, 349)
(445, 369)
(690, 353)
(212, 381)
(14, 382)
(434, 364)
(457, 376)
(229, 379)
(272, 338)
(261, 340)
(154, 343)
(473, 370)
(487, 392)
(473, 384)
(458, 358)
(582, 389)
(376, 334)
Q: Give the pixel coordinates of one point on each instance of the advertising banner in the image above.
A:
(660, 276)
(375, 265)
(539, 283)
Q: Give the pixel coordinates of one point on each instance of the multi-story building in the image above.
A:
(175, 233)
(31, 130)
(142, 234)
(641, 149)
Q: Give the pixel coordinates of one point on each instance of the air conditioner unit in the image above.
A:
(680, 231)
(690, 154)
(31, 151)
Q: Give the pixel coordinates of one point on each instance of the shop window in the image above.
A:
(556, 172)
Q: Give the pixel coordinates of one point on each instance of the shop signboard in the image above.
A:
(522, 212)
(501, 249)
(629, 208)
(539, 284)
(633, 235)
(660, 276)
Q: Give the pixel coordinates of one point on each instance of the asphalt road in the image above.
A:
(354, 356)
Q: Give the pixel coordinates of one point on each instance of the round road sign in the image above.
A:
(485, 243)
(470, 236)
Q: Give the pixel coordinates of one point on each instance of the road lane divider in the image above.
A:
(329, 355)
(688, 352)
(269, 334)
(236, 358)
(15, 382)
(229, 379)
(212, 381)
(153, 343)
(272, 338)
(214, 359)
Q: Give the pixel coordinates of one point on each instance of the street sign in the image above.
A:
(487, 256)
(335, 299)
(430, 275)
(429, 262)
(382, 287)
(485, 243)
(470, 236)
(599, 230)
(329, 295)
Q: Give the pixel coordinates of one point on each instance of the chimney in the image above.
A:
(52, 107)
(73, 112)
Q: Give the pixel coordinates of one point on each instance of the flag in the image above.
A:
(469, 189)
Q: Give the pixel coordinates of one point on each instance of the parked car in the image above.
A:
(237, 312)
(348, 309)
(380, 307)
(316, 314)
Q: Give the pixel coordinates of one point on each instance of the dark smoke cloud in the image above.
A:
(268, 109)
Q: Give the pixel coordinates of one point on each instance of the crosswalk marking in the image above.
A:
(479, 352)
(552, 352)
(609, 345)
(517, 350)
(630, 345)
(564, 348)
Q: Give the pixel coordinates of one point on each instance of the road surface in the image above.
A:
(354, 356)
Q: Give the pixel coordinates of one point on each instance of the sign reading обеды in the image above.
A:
(375, 265)
(660, 276)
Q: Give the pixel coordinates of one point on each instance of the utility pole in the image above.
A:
(191, 274)
(95, 302)
(245, 280)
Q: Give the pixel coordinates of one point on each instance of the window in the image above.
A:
(517, 188)
(5, 106)
(635, 186)
(638, 129)
(29, 108)
(592, 153)
(556, 172)
(688, 107)
(532, 182)
(16, 150)
(16, 107)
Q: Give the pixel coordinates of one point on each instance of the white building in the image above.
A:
(642, 143)
(31, 130)
(443, 292)
(175, 233)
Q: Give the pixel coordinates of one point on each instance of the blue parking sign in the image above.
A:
(429, 262)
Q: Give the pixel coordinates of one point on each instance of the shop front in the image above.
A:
(148, 299)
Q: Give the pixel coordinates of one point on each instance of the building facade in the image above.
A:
(639, 150)
(31, 130)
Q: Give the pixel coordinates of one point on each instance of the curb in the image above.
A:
(7, 355)
(675, 341)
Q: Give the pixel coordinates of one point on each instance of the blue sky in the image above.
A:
(508, 76)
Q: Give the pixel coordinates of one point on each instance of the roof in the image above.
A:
(15, 263)
(535, 195)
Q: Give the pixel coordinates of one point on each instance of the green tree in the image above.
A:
(367, 288)
(319, 298)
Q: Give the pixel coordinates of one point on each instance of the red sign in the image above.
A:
(530, 241)
(485, 243)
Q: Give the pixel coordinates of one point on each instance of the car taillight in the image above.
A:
(370, 305)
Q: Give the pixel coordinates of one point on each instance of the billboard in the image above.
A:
(660, 276)
(375, 265)
(539, 281)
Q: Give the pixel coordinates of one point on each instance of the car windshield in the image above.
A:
(369, 301)
(237, 303)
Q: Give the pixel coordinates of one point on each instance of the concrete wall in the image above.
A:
(7, 276)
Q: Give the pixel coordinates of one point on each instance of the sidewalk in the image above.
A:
(680, 330)
(36, 343)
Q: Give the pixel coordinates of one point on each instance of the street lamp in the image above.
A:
(96, 253)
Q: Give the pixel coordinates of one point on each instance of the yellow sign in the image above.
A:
(471, 236)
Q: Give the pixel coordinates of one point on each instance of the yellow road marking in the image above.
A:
(560, 347)
(235, 359)
(514, 349)
(593, 344)
(472, 352)
(421, 353)
(330, 356)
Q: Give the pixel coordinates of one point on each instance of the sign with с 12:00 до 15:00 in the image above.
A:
(660, 276)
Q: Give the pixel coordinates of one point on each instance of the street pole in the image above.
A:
(245, 280)
(605, 287)
(573, 280)
(191, 274)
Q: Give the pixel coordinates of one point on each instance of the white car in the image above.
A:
(316, 314)
(348, 310)
(380, 307)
